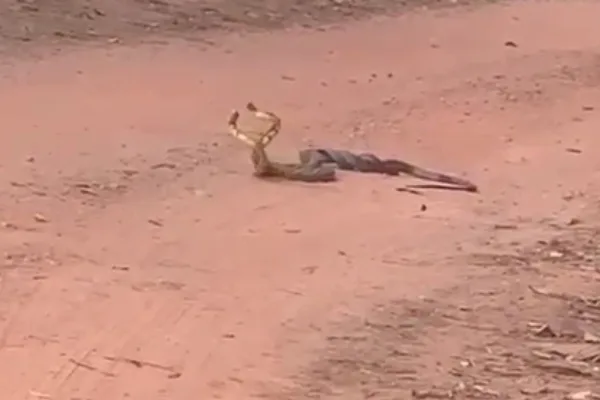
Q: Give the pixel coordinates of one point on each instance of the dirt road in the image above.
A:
(142, 260)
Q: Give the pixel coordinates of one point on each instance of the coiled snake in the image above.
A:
(318, 165)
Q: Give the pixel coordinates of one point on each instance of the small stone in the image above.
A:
(40, 218)
(555, 254)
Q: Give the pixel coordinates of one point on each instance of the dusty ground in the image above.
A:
(142, 260)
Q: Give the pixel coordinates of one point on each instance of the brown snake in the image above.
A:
(318, 165)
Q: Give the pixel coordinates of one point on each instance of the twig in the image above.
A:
(409, 190)
(587, 301)
(559, 296)
(562, 368)
(90, 367)
(139, 363)
(39, 395)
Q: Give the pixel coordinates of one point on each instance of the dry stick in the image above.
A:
(90, 367)
(140, 363)
(590, 302)
(560, 296)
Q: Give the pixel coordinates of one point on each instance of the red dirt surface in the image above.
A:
(142, 260)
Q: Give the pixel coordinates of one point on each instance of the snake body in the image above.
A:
(303, 172)
(319, 165)
(370, 163)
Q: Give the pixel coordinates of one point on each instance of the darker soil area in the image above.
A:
(113, 21)
(517, 336)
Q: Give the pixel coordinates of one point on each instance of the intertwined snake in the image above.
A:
(318, 165)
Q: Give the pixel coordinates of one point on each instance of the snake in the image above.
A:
(320, 164)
